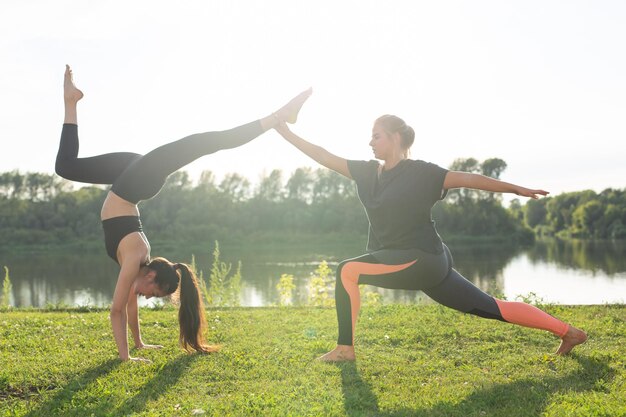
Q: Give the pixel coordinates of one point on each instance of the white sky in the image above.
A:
(540, 84)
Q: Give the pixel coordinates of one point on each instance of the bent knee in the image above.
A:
(63, 169)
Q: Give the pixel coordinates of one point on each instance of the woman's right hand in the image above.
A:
(143, 360)
(282, 128)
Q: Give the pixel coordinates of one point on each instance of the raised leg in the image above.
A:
(145, 177)
(102, 169)
(71, 96)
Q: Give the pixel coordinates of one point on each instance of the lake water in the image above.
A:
(560, 272)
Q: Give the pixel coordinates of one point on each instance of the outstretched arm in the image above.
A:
(319, 154)
(132, 312)
(458, 179)
(119, 316)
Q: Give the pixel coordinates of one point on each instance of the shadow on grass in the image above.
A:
(64, 398)
(358, 398)
(528, 397)
(79, 398)
(167, 376)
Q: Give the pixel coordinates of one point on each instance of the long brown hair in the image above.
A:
(191, 313)
(191, 310)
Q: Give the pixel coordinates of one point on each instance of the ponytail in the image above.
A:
(191, 313)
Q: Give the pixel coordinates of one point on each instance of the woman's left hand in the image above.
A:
(525, 192)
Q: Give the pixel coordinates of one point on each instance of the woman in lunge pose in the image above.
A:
(404, 250)
(140, 177)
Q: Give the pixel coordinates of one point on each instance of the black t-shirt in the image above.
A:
(398, 203)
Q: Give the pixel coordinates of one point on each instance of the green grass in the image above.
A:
(412, 361)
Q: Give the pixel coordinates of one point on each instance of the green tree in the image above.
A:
(463, 196)
(586, 219)
(235, 186)
(12, 184)
(271, 186)
(535, 212)
(492, 167)
(516, 210)
(300, 185)
(206, 181)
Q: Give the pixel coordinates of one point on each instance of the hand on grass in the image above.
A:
(144, 346)
(142, 360)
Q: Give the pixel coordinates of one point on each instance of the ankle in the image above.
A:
(345, 348)
(270, 122)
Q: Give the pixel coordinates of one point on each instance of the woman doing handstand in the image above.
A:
(140, 177)
(404, 250)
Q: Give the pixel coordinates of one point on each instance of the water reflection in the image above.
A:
(41, 278)
(567, 272)
(607, 257)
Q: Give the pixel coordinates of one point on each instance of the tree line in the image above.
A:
(39, 208)
(582, 214)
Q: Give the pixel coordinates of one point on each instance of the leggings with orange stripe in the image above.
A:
(435, 276)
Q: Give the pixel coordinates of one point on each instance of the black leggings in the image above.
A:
(135, 177)
(435, 276)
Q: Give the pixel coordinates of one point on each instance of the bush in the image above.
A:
(285, 289)
(5, 299)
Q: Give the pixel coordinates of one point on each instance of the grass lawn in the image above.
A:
(412, 361)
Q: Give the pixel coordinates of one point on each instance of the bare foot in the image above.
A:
(70, 92)
(572, 338)
(289, 112)
(342, 353)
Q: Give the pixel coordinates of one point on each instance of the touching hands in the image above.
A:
(289, 112)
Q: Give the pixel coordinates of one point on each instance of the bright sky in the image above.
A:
(539, 84)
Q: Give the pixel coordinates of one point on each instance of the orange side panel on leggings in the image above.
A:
(530, 316)
(350, 279)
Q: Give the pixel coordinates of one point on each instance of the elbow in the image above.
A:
(116, 312)
(322, 160)
(61, 168)
(475, 181)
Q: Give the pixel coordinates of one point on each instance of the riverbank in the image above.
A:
(413, 361)
(266, 242)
